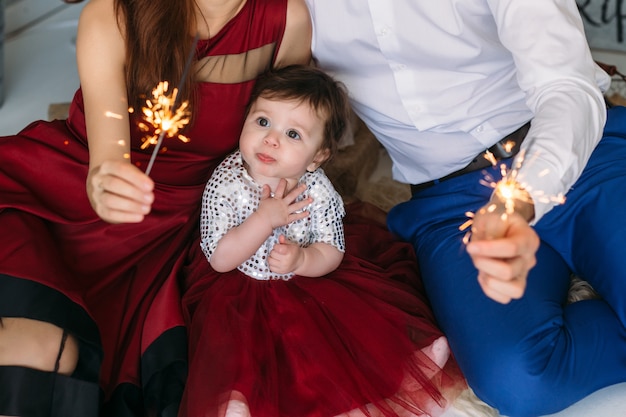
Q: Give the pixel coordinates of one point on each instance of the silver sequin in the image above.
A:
(231, 195)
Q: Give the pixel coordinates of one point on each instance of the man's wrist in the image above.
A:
(514, 199)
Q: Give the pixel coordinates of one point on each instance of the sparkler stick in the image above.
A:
(164, 115)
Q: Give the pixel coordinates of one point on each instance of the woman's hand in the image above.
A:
(503, 248)
(119, 192)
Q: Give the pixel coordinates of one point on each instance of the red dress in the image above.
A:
(354, 339)
(115, 287)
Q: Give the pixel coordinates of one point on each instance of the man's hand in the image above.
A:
(503, 248)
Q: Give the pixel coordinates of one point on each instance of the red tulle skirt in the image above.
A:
(358, 340)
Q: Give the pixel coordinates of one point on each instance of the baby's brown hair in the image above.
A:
(313, 86)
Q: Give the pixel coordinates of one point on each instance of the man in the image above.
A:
(451, 87)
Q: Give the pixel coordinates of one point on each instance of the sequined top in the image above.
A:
(231, 195)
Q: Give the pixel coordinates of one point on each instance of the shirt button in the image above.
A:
(480, 128)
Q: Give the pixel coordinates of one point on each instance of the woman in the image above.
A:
(87, 280)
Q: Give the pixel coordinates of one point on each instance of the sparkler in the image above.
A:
(163, 114)
(510, 190)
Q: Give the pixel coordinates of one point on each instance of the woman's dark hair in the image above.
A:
(158, 42)
(312, 85)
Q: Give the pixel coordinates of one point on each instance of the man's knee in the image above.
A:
(516, 388)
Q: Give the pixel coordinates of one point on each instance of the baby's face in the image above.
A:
(281, 139)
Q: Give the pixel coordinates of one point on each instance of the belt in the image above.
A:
(507, 147)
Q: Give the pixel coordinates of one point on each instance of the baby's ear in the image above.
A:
(321, 156)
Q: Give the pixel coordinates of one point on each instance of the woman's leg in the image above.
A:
(37, 345)
(49, 353)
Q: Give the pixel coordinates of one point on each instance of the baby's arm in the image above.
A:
(242, 241)
(313, 261)
(327, 242)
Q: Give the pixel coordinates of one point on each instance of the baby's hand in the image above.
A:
(285, 257)
(280, 209)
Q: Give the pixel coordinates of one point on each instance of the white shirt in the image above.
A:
(439, 81)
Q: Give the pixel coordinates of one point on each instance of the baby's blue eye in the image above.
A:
(262, 121)
(293, 134)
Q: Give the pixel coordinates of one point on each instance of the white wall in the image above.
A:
(20, 14)
(612, 58)
(618, 59)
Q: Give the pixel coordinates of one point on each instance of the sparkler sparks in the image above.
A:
(510, 191)
(160, 115)
(113, 115)
(163, 114)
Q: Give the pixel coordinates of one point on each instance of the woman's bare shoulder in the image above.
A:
(296, 45)
(99, 15)
(100, 47)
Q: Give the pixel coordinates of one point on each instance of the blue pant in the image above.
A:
(534, 355)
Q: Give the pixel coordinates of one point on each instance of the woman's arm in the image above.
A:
(117, 190)
(295, 47)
